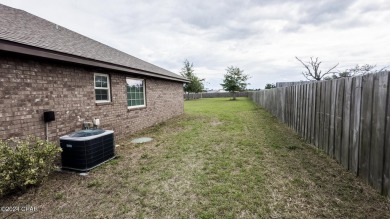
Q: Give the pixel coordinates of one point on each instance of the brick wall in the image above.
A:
(29, 86)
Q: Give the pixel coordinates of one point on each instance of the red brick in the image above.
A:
(68, 90)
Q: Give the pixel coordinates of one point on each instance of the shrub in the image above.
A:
(24, 163)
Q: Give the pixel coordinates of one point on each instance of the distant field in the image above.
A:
(222, 159)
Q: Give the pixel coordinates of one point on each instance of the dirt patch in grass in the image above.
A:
(215, 123)
(222, 159)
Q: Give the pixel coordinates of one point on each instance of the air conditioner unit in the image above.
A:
(86, 149)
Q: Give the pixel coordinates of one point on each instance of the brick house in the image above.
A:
(46, 67)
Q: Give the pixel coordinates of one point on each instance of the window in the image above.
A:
(102, 88)
(135, 92)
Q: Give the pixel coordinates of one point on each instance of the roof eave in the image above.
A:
(9, 46)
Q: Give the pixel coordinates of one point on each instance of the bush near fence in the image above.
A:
(214, 95)
(348, 118)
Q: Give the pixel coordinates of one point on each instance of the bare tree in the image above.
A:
(313, 69)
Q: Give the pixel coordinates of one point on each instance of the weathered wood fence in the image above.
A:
(214, 95)
(287, 84)
(348, 118)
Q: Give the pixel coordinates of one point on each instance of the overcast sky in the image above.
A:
(261, 37)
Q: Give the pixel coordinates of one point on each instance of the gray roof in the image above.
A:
(24, 28)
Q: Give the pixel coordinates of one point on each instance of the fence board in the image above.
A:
(282, 101)
(302, 111)
(365, 118)
(305, 112)
(386, 168)
(378, 129)
(300, 102)
(328, 95)
(355, 123)
(332, 117)
(338, 120)
(318, 115)
(308, 115)
(289, 93)
(345, 147)
(296, 109)
(313, 113)
(322, 118)
(304, 115)
(274, 103)
(304, 118)
(293, 113)
(277, 103)
(285, 104)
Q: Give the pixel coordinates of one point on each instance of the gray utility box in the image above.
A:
(86, 149)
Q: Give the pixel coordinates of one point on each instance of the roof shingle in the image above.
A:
(27, 29)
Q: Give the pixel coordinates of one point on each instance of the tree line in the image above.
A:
(313, 71)
(234, 80)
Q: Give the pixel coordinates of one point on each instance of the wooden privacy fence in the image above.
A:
(213, 95)
(287, 84)
(348, 118)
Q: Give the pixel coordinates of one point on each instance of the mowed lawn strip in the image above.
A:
(221, 159)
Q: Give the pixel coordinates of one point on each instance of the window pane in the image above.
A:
(101, 94)
(98, 81)
(101, 87)
(135, 95)
(101, 81)
(133, 82)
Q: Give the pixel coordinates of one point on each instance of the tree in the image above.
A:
(360, 70)
(313, 69)
(234, 80)
(194, 85)
(357, 70)
(269, 86)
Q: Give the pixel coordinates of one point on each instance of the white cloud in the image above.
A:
(261, 37)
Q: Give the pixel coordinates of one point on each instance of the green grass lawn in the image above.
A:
(221, 159)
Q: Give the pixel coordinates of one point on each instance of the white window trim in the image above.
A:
(108, 88)
(143, 87)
